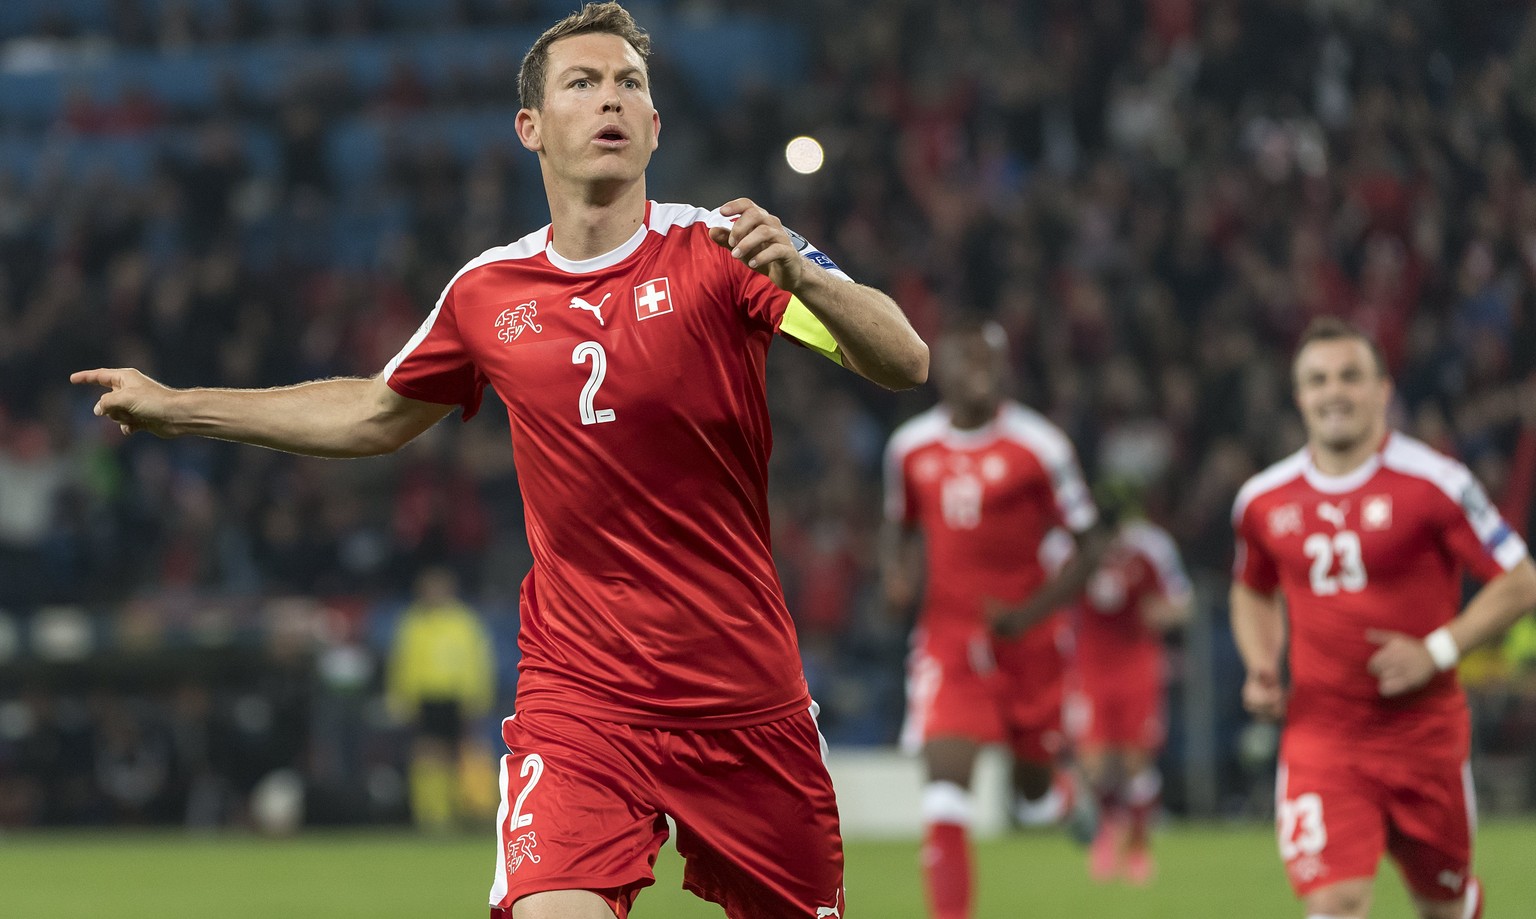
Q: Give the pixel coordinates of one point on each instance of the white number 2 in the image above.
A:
(1323, 551)
(533, 763)
(593, 350)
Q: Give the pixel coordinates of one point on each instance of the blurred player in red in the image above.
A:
(660, 675)
(1115, 710)
(1353, 549)
(978, 482)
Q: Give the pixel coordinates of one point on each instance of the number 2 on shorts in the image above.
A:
(532, 763)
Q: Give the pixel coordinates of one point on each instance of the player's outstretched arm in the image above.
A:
(334, 418)
(1258, 627)
(872, 332)
(1404, 663)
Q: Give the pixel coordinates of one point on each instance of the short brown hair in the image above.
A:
(607, 18)
(1331, 328)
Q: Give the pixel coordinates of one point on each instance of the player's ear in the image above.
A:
(528, 130)
(655, 130)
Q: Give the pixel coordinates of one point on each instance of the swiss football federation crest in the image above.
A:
(511, 323)
(521, 848)
(1285, 520)
(653, 298)
(1376, 512)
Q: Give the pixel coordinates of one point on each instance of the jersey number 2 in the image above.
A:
(593, 350)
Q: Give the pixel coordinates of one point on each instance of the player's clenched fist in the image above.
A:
(133, 400)
(758, 240)
(1263, 695)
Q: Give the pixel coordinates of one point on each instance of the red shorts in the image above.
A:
(584, 806)
(1118, 717)
(1335, 818)
(989, 691)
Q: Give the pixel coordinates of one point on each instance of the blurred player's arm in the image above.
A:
(1061, 589)
(1164, 613)
(1404, 663)
(1258, 627)
(333, 418)
(873, 335)
(901, 563)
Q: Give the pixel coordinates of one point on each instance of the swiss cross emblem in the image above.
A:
(653, 298)
(1376, 512)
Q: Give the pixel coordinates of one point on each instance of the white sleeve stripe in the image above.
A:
(1511, 551)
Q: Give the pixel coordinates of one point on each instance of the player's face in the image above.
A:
(597, 123)
(970, 372)
(1341, 393)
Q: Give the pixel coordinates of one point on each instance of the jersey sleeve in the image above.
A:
(1162, 556)
(1252, 565)
(1070, 490)
(434, 365)
(1474, 531)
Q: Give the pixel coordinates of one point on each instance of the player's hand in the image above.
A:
(758, 240)
(1263, 695)
(1005, 619)
(133, 400)
(1401, 664)
(900, 591)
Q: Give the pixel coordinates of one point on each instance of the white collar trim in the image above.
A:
(597, 262)
(1341, 484)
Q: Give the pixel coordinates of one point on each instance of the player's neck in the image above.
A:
(591, 220)
(1336, 462)
(971, 417)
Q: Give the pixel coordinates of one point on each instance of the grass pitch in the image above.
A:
(1205, 871)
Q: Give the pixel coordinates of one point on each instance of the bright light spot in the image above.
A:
(804, 155)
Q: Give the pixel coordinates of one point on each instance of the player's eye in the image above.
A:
(631, 84)
(581, 83)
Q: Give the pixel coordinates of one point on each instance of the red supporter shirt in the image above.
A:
(1383, 547)
(634, 382)
(985, 500)
(1114, 646)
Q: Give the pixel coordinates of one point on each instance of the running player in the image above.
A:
(1352, 551)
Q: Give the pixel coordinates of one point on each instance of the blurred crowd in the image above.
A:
(1152, 196)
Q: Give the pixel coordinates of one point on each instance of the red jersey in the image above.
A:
(1113, 644)
(985, 500)
(634, 382)
(1383, 547)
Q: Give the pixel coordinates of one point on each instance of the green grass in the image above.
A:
(1206, 871)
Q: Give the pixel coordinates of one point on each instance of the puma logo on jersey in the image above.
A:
(834, 910)
(1333, 513)
(595, 309)
(511, 323)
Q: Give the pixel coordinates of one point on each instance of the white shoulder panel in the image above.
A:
(1281, 473)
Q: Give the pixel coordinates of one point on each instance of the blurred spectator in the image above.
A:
(442, 677)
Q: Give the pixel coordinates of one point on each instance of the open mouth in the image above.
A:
(611, 136)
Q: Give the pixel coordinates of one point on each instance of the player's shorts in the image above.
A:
(1131, 716)
(988, 691)
(1335, 816)
(584, 806)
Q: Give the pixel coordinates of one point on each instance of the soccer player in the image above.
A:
(978, 481)
(1115, 709)
(659, 674)
(1353, 549)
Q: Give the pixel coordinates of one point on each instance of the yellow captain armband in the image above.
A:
(802, 325)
